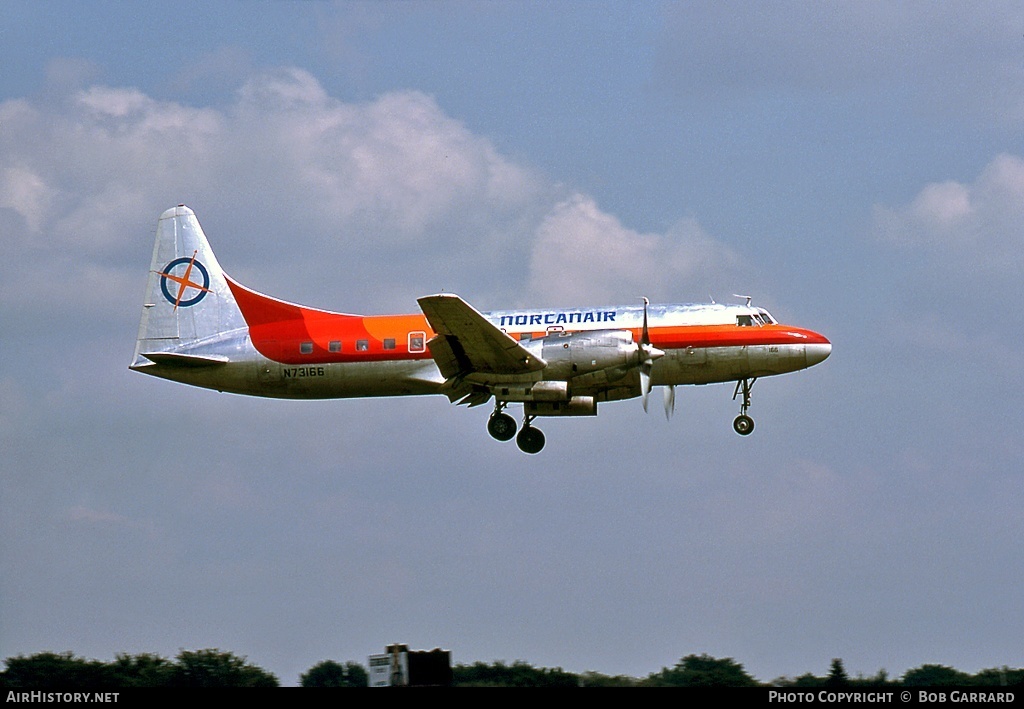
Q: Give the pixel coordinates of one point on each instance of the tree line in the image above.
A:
(215, 668)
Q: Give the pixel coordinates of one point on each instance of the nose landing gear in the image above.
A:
(743, 424)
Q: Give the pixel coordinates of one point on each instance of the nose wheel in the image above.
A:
(743, 424)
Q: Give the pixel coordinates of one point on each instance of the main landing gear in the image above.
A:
(530, 439)
(743, 424)
(502, 427)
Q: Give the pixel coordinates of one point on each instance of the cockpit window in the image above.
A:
(759, 317)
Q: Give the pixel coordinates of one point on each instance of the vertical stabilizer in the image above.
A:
(187, 301)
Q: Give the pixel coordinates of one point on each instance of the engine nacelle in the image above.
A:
(577, 362)
(584, 359)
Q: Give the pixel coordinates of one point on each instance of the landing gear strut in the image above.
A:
(743, 424)
(530, 439)
(500, 425)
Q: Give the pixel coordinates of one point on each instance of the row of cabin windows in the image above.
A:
(416, 344)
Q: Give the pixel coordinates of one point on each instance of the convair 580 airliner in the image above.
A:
(200, 327)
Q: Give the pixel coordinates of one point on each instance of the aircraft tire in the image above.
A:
(743, 425)
(502, 427)
(530, 440)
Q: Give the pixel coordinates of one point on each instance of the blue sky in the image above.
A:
(857, 167)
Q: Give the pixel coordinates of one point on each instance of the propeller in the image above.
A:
(670, 401)
(647, 354)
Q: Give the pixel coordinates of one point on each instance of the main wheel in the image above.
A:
(743, 425)
(501, 426)
(530, 440)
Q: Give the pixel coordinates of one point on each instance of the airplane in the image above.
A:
(201, 327)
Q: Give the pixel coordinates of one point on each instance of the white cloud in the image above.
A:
(942, 205)
(966, 227)
(25, 192)
(582, 254)
(397, 162)
(326, 198)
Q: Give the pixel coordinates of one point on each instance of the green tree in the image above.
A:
(333, 674)
(837, 675)
(879, 679)
(50, 670)
(596, 679)
(518, 674)
(213, 668)
(804, 680)
(357, 675)
(999, 677)
(702, 671)
(143, 670)
(935, 676)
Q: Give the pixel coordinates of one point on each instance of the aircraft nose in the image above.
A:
(817, 352)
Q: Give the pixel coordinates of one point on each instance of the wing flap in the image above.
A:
(467, 342)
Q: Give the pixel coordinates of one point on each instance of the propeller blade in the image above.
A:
(670, 401)
(645, 382)
(645, 337)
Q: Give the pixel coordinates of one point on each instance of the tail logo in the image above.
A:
(181, 272)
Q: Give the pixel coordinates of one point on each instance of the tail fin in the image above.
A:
(188, 302)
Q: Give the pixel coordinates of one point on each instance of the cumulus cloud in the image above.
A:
(322, 201)
(398, 160)
(582, 254)
(976, 226)
(24, 192)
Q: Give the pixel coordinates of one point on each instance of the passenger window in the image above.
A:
(362, 345)
(389, 343)
(334, 346)
(306, 348)
(416, 341)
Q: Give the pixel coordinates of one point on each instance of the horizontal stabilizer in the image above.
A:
(177, 359)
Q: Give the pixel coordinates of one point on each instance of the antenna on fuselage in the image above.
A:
(748, 297)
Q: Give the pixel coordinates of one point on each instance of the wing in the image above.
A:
(468, 343)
